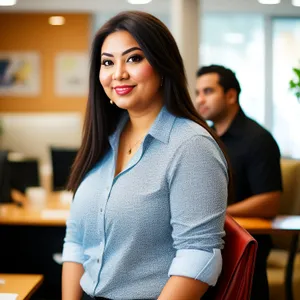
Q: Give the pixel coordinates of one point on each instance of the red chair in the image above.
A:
(238, 255)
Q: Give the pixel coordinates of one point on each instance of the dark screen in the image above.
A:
(4, 178)
(24, 173)
(62, 160)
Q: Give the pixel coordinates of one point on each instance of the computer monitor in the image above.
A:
(62, 160)
(5, 188)
(24, 173)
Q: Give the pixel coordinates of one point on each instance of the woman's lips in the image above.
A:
(124, 89)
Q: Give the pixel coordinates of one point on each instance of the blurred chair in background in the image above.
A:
(61, 160)
(5, 188)
(283, 258)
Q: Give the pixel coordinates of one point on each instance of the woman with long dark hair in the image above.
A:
(150, 179)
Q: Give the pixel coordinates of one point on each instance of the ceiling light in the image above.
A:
(296, 2)
(56, 20)
(7, 2)
(269, 1)
(139, 1)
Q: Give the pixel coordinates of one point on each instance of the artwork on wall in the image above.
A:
(71, 74)
(19, 73)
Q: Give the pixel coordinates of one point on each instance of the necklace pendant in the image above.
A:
(129, 151)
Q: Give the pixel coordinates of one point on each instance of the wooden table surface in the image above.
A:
(281, 224)
(22, 284)
(56, 211)
(53, 213)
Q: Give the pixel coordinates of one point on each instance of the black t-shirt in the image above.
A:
(254, 156)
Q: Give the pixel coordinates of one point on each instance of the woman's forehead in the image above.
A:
(119, 42)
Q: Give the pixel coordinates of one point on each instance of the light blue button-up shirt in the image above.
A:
(162, 215)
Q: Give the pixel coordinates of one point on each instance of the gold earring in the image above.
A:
(111, 102)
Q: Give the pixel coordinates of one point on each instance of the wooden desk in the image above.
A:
(55, 212)
(281, 224)
(22, 284)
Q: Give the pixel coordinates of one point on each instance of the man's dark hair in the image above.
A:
(227, 78)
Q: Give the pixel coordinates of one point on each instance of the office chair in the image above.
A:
(284, 260)
(62, 160)
(239, 253)
(5, 188)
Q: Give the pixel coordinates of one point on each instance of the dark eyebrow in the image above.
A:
(123, 53)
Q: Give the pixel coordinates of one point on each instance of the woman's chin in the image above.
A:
(124, 103)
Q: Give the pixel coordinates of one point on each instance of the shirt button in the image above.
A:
(98, 260)
(101, 210)
(107, 188)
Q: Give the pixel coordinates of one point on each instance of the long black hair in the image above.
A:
(101, 119)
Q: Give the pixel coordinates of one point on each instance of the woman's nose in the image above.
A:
(120, 72)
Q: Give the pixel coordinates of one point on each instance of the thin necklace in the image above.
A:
(132, 147)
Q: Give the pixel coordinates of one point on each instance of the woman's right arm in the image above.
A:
(72, 256)
(71, 274)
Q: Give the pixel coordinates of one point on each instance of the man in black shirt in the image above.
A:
(253, 153)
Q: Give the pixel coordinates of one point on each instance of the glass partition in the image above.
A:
(237, 41)
(286, 108)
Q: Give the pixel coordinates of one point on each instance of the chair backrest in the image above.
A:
(239, 253)
(62, 160)
(290, 198)
(4, 178)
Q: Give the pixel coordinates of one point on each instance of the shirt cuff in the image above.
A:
(72, 252)
(197, 264)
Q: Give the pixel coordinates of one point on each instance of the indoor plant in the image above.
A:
(295, 83)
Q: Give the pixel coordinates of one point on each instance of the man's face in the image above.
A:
(211, 101)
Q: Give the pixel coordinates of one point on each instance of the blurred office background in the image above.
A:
(260, 42)
(44, 70)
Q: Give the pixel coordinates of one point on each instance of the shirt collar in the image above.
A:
(162, 126)
(160, 129)
(237, 123)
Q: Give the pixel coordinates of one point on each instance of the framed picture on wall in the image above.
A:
(71, 74)
(19, 73)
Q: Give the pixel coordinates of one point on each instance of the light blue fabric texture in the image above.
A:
(161, 216)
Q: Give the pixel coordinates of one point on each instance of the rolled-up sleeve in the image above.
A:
(198, 182)
(72, 249)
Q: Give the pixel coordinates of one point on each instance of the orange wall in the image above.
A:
(31, 32)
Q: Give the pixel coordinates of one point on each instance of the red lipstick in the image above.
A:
(123, 89)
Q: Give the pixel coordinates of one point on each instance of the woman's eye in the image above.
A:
(107, 62)
(135, 58)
